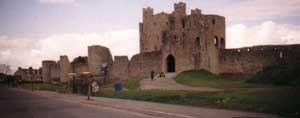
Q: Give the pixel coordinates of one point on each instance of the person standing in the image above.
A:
(152, 74)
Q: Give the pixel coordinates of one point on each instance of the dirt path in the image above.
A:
(168, 83)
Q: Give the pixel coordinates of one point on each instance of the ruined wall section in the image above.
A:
(65, 68)
(141, 64)
(80, 65)
(98, 55)
(50, 71)
(251, 60)
(46, 64)
(151, 30)
(120, 68)
(55, 72)
(135, 66)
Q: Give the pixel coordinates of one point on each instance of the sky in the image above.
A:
(36, 30)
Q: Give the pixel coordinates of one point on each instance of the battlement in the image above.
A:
(196, 11)
(180, 8)
(147, 12)
(63, 56)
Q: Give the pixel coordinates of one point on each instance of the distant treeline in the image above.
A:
(10, 80)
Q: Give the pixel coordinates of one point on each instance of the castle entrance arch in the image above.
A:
(170, 63)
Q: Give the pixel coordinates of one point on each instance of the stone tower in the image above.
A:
(98, 55)
(65, 68)
(50, 70)
(187, 41)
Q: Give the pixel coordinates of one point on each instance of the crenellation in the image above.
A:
(147, 12)
(180, 9)
(196, 12)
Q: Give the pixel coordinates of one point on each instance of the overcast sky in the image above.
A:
(35, 30)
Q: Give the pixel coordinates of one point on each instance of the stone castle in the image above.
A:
(175, 42)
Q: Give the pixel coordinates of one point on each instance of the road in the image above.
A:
(20, 103)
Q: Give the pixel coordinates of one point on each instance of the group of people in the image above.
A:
(152, 73)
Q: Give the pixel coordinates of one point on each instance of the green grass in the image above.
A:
(204, 78)
(238, 95)
(278, 74)
(129, 84)
(44, 86)
(283, 101)
(132, 84)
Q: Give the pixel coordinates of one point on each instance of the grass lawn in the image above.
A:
(132, 84)
(283, 101)
(204, 78)
(238, 95)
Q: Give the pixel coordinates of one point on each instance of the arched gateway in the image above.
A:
(170, 63)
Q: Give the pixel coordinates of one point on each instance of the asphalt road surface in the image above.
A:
(20, 103)
(17, 104)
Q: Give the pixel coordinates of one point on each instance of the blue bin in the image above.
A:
(118, 87)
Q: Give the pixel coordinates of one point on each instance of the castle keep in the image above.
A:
(175, 42)
(186, 42)
(197, 41)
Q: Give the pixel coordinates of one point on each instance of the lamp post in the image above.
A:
(87, 76)
(31, 78)
(72, 76)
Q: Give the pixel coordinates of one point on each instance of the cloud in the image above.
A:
(266, 33)
(29, 52)
(259, 9)
(57, 1)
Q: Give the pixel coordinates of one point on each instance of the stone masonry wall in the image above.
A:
(55, 72)
(193, 40)
(98, 55)
(251, 60)
(65, 68)
(79, 65)
(141, 64)
(50, 70)
(120, 68)
(151, 30)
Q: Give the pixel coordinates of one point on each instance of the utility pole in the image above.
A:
(89, 89)
(87, 76)
(31, 78)
(72, 76)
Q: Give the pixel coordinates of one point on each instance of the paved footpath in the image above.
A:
(168, 83)
(146, 109)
